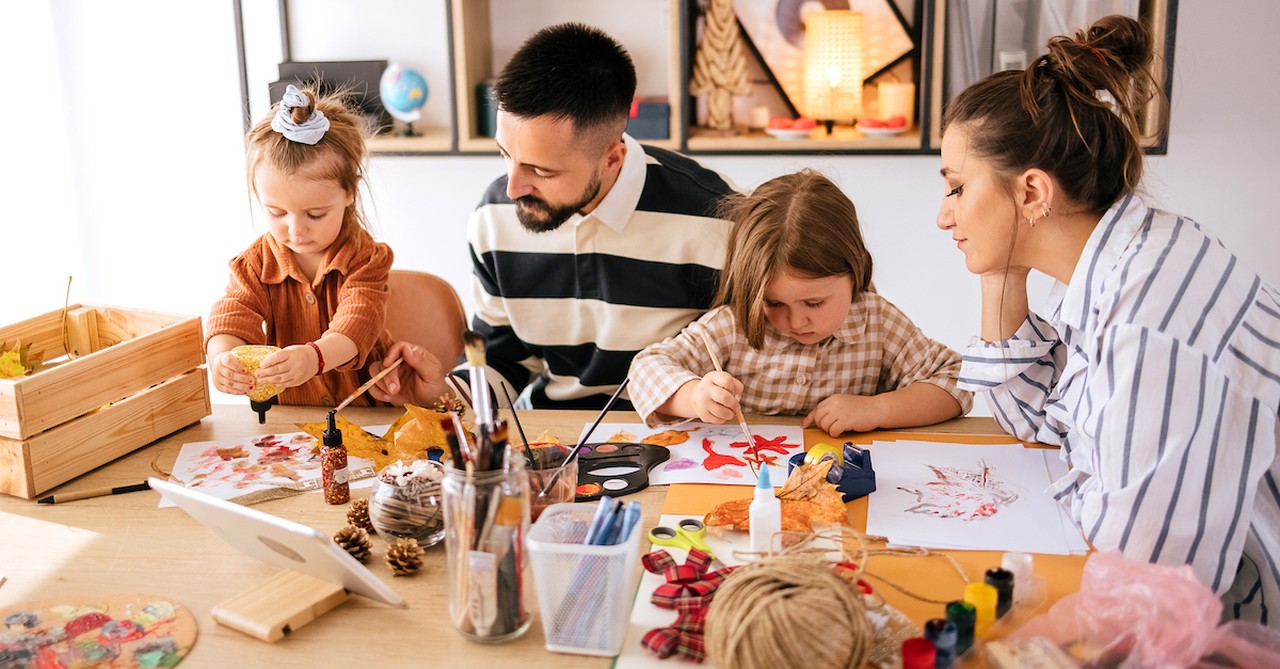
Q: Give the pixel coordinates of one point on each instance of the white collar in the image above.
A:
(622, 199)
(1108, 241)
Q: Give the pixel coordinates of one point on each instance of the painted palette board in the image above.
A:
(122, 632)
(962, 496)
(704, 453)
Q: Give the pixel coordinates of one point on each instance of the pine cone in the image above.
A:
(358, 515)
(405, 556)
(355, 541)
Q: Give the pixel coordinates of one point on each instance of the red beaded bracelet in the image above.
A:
(319, 357)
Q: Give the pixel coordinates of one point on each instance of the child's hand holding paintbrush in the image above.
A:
(711, 399)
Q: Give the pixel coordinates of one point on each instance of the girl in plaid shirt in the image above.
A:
(799, 328)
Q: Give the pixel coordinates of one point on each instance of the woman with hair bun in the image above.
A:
(1156, 364)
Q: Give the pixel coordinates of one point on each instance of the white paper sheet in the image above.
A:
(232, 467)
(963, 496)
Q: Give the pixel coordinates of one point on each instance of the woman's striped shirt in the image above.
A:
(1157, 369)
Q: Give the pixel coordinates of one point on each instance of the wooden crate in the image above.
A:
(117, 379)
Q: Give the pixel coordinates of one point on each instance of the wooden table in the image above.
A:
(124, 544)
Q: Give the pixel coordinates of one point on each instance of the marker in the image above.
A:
(93, 492)
(597, 521)
(630, 518)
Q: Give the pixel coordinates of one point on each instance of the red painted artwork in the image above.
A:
(716, 460)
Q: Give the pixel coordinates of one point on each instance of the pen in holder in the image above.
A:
(585, 586)
(486, 515)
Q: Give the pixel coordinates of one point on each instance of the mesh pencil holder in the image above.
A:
(585, 592)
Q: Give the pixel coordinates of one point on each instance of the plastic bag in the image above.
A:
(1136, 614)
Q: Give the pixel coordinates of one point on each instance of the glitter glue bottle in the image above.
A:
(333, 465)
(765, 514)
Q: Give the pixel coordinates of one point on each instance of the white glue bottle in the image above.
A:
(765, 514)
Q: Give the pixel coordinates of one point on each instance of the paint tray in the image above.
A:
(585, 592)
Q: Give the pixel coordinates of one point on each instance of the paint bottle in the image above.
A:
(765, 514)
(983, 598)
(333, 464)
(943, 635)
(1020, 565)
(962, 615)
(918, 653)
(1002, 580)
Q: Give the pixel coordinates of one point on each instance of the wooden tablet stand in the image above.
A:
(279, 605)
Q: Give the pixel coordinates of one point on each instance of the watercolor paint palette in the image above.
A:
(616, 468)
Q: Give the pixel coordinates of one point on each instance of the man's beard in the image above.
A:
(528, 207)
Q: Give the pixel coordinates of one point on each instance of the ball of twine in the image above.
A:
(788, 610)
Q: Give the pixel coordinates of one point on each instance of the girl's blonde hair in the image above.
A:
(338, 156)
(800, 223)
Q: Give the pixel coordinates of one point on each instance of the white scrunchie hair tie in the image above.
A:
(304, 133)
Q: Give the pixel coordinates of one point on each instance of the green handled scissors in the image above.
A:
(687, 534)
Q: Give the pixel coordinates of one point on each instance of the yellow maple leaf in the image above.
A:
(11, 365)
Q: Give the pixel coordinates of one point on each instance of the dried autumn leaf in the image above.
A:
(806, 498)
(806, 481)
(17, 360)
(11, 365)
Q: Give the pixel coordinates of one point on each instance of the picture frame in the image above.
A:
(774, 32)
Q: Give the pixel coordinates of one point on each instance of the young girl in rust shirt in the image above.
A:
(316, 284)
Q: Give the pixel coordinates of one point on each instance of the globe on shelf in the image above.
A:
(403, 92)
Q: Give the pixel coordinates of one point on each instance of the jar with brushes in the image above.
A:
(407, 502)
(486, 518)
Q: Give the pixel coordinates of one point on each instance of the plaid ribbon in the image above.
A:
(688, 590)
(849, 572)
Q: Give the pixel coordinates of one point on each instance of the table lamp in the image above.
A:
(834, 56)
(263, 395)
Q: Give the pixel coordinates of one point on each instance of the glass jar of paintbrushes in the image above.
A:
(486, 509)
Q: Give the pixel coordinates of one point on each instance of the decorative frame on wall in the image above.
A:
(774, 31)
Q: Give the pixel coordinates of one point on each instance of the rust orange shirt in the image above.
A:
(270, 301)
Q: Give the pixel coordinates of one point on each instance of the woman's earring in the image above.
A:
(1044, 213)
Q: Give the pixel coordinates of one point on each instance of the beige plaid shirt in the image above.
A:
(878, 349)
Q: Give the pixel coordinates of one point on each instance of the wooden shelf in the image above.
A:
(473, 64)
(478, 41)
(842, 139)
(429, 140)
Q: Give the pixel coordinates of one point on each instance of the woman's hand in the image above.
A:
(419, 380)
(1004, 302)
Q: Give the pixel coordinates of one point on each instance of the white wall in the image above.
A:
(127, 166)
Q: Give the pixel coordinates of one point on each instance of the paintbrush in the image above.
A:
(481, 402)
(742, 420)
(528, 454)
(551, 480)
(367, 385)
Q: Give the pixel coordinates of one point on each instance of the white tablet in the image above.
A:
(280, 542)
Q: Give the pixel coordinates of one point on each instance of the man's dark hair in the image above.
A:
(569, 71)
